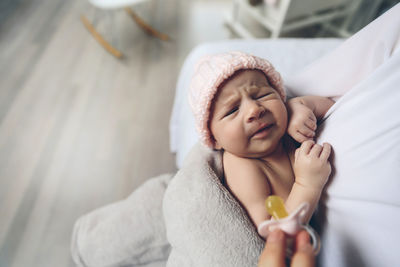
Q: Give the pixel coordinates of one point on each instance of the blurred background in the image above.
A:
(86, 95)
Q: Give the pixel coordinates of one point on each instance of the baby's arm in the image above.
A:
(247, 182)
(304, 112)
(311, 169)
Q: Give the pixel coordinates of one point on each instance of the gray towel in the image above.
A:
(202, 222)
(205, 225)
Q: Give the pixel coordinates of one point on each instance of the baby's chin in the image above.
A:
(249, 154)
(257, 155)
(254, 150)
(271, 152)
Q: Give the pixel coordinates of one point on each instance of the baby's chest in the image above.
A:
(280, 179)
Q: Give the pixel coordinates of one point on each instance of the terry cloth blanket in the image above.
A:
(205, 225)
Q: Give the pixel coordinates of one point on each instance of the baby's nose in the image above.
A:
(256, 111)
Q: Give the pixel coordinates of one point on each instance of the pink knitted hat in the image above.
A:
(210, 72)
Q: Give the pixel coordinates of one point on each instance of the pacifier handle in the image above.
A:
(315, 240)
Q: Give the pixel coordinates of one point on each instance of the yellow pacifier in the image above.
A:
(275, 207)
(291, 224)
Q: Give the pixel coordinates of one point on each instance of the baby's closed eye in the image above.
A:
(263, 95)
(231, 111)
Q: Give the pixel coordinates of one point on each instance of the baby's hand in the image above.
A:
(302, 122)
(311, 165)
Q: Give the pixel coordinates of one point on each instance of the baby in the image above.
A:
(240, 108)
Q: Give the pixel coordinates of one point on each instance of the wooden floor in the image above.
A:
(79, 128)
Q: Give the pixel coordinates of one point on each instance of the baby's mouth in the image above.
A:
(263, 131)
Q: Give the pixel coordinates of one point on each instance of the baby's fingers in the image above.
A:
(299, 137)
(306, 146)
(312, 124)
(306, 131)
(326, 151)
(316, 150)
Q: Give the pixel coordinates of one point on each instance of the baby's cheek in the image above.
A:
(282, 118)
(232, 134)
(235, 137)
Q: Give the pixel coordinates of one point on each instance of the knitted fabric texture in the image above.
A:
(209, 74)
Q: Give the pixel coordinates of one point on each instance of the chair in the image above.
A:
(113, 5)
(280, 16)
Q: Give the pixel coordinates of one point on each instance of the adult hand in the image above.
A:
(274, 252)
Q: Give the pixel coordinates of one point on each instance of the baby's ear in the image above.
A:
(217, 146)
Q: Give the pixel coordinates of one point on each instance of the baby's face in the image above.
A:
(248, 116)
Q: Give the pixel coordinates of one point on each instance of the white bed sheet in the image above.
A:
(287, 55)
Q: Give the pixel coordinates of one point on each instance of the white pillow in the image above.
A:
(130, 232)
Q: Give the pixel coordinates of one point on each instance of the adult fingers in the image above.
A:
(304, 255)
(302, 238)
(273, 254)
(326, 151)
